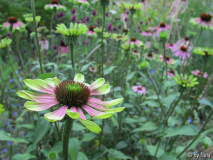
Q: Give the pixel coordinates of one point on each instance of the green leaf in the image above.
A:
(130, 76)
(132, 120)
(121, 145)
(4, 136)
(117, 154)
(172, 121)
(179, 149)
(41, 129)
(74, 145)
(82, 156)
(90, 125)
(152, 150)
(114, 120)
(77, 127)
(46, 75)
(151, 103)
(89, 137)
(29, 126)
(108, 69)
(206, 102)
(148, 126)
(167, 156)
(72, 114)
(168, 100)
(24, 156)
(184, 130)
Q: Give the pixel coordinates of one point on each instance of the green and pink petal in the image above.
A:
(36, 106)
(56, 115)
(105, 103)
(104, 89)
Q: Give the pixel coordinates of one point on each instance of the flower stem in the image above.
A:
(164, 54)
(51, 27)
(102, 43)
(197, 134)
(66, 135)
(72, 58)
(36, 34)
(150, 77)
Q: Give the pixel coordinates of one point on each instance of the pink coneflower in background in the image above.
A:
(150, 55)
(170, 73)
(91, 31)
(199, 73)
(124, 18)
(14, 22)
(148, 43)
(139, 89)
(135, 52)
(134, 40)
(183, 52)
(170, 46)
(82, 2)
(44, 44)
(204, 20)
(154, 31)
(92, 69)
(168, 59)
(183, 42)
(63, 48)
(178, 5)
(146, 33)
(163, 27)
(54, 4)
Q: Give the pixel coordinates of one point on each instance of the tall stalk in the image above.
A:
(72, 58)
(36, 34)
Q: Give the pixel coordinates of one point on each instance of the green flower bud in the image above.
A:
(144, 65)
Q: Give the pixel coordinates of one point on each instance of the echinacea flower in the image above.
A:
(135, 52)
(82, 2)
(168, 59)
(146, 33)
(104, 2)
(119, 37)
(63, 48)
(29, 18)
(44, 44)
(199, 73)
(150, 55)
(4, 43)
(162, 27)
(133, 7)
(71, 34)
(185, 80)
(135, 41)
(204, 21)
(170, 46)
(203, 51)
(92, 69)
(183, 52)
(139, 89)
(69, 98)
(183, 42)
(90, 31)
(178, 5)
(170, 73)
(13, 21)
(54, 4)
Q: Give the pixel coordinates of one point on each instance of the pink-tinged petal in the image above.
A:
(205, 75)
(98, 83)
(38, 97)
(36, 106)
(101, 90)
(82, 116)
(96, 106)
(73, 109)
(105, 103)
(96, 113)
(56, 115)
(6, 24)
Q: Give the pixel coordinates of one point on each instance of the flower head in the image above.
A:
(183, 52)
(13, 21)
(92, 69)
(170, 46)
(90, 31)
(199, 73)
(63, 48)
(82, 2)
(119, 37)
(167, 59)
(4, 43)
(185, 80)
(203, 51)
(133, 7)
(146, 33)
(170, 73)
(29, 18)
(139, 89)
(204, 21)
(71, 34)
(44, 44)
(150, 55)
(54, 4)
(135, 41)
(69, 98)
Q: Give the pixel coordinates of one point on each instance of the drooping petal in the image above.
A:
(39, 87)
(23, 95)
(79, 78)
(96, 106)
(99, 82)
(113, 110)
(56, 80)
(71, 114)
(56, 115)
(36, 106)
(106, 103)
(90, 125)
(38, 97)
(96, 113)
(81, 113)
(101, 90)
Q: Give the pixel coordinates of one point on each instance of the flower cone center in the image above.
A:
(54, 2)
(167, 58)
(133, 39)
(125, 30)
(171, 44)
(72, 93)
(140, 88)
(186, 38)
(62, 44)
(91, 28)
(162, 25)
(184, 49)
(206, 17)
(199, 73)
(150, 54)
(172, 71)
(12, 19)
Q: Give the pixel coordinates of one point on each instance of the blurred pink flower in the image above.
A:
(44, 44)
(63, 48)
(183, 52)
(139, 89)
(199, 73)
(14, 22)
(168, 59)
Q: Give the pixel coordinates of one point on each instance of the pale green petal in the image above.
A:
(79, 78)
(71, 114)
(99, 82)
(115, 109)
(105, 115)
(56, 80)
(23, 95)
(101, 90)
(90, 125)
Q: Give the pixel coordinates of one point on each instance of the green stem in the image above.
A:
(102, 127)
(14, 69)
(51, 27)
(66, 136)
(102, 43)
(36, 34)
(164, 54)
(197, 134)
(153, 83)
(72, 58)
(59, 138)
